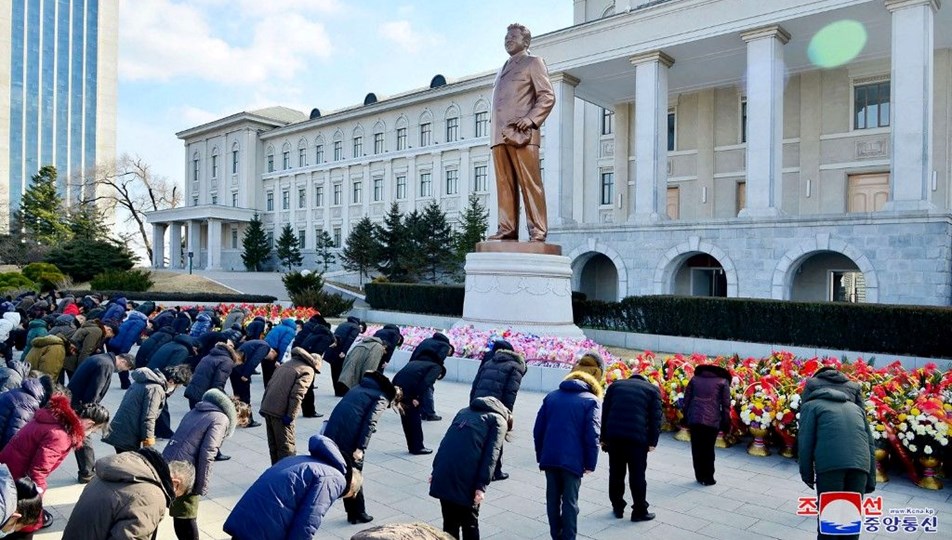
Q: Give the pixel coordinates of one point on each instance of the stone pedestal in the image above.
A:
(522, 288)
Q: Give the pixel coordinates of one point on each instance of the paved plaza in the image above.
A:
(755, 498)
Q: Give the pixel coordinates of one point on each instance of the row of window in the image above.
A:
(870, 110)
(301, 237)
(480, 185)
(452, 134)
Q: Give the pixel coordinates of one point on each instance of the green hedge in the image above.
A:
(182, 297)
(123, 280)
(416, 298)
(876, 328)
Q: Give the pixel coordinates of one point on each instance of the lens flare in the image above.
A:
(837, 43)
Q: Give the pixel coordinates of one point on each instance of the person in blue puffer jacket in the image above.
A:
(566, 436)
(116, 311)
(279, 338)
(203, 324)
(128, 335)
(289, 500)
(18, 406)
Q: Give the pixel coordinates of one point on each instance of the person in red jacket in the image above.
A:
(42, 445)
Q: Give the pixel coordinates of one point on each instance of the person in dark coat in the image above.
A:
(289, 500)
(255, 329)
(209, 339)
(146, 308)
(566, 435)
(134, 424)
(18, 406)
(631, 425)
(212, 371)
(315, 337)
(707, 409)
(89, 385)
(836, 447)
(129, 496)
(182, 323)
(351, 424)
(165, 318)
(158, 338)
(345, 334)
(253, 352)
(440, 344)
(414, 379)
(499, 376)
(198, 441)
(829, 376)
(178, 351)
(464, 464)
(64, 325)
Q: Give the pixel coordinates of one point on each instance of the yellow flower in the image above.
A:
(902, 417)
(914, 411)
(880, 427)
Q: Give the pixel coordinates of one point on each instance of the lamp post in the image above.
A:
(190, 255)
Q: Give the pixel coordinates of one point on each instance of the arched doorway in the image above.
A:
(598, 278)
(827, 276)
(700, 275)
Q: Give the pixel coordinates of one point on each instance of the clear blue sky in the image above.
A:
(186, 62)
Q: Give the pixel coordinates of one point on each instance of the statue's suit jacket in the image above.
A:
(522, 89)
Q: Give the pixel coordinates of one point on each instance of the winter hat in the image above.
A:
(591, 362)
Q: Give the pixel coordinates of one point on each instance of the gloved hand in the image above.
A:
(148, 442)
(286, 420)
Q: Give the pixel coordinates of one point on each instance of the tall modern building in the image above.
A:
(58, 75)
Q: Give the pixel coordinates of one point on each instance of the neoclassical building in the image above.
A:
(791, 149)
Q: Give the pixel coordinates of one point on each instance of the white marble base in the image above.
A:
(524, 291)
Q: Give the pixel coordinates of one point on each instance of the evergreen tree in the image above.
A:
(86, 222)
(415, 232)
(393, 246)
(256, 250)
(438, 243)
(323, 246)
(83, 259)
(288, 251)
(361, 252)
(473, 225)
(41, 209)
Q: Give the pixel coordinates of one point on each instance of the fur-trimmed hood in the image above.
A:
(313, 360)
(591, 362)
(59, 411)
(506, 355)
(222, 402)
(588, 380)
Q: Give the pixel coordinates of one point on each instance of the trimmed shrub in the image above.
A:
(297, 282)
(15, 281)
(181, 296)
(416, 298)
(123, 280)
(46, 275)
(876, 328)
(84, 259)
(328, 304)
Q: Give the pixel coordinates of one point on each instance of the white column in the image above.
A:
(913, 30)
(651, 136)
(195, 243)
(438, 184)
(158, 245)
(465, 180)
(765, 81)
(175, 244)
(214, 245)
(345, 206)
(558, 151)
(367, 189)
(413, 184)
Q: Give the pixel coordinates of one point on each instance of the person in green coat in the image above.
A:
(36, 328)
(836, 446)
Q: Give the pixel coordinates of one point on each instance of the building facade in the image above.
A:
(58, 78)
(701, 147)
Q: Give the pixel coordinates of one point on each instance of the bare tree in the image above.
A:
(129, 186)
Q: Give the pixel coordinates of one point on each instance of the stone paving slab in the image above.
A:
(754, 497)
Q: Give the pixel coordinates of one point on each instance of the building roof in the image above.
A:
(281, 114)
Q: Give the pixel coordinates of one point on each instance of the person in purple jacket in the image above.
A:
(197, 441)
(707, 408)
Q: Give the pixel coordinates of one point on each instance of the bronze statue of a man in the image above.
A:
(522, 99)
